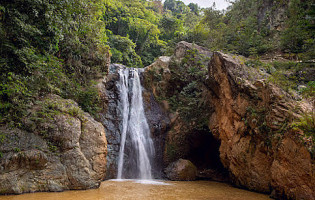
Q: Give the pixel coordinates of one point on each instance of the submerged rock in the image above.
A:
(181, 170)
(64, 148)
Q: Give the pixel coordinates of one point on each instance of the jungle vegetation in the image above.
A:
(62, 46)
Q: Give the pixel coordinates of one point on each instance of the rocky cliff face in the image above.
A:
(247, 134)
(178, 84)
(63, 148)
(111, 118)
(272, 14)
(251, 119)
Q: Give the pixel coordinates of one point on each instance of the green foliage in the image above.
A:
(306, 123)
(171, 152)
(252, 28)
(309, 90)
(177, 7)
(284, 65)
(2, 137)
(48, 47)
(123, 51)
(299, 35)
(52, 107)
(280, 79)
(133, 24)
(171, 26)
(51, 147)
(194, 8)
(13, 91)
(60, 46)
(17, 150)
(88, 99)
(234, 33)
(187, 98)
(288, 75)
(151, 32)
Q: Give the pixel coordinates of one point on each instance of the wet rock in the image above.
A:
(111, 118)
(181, 170)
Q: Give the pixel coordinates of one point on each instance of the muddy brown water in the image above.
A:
(111, 190)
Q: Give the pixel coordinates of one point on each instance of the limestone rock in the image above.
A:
(64, 148)
(181, 170)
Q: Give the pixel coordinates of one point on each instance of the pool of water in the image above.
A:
(155, 190)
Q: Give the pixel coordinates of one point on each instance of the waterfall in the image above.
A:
(123, 90)
(134, 126)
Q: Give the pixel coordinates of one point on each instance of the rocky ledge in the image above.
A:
(60, 148)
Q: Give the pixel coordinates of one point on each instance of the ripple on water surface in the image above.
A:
(149, 189)
(145, 182)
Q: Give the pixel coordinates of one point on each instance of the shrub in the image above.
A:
(306, 123)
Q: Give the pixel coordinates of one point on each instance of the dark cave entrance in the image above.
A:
(204, 153)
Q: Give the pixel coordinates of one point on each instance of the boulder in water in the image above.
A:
(181, 170)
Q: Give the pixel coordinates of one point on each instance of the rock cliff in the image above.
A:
(63, 148)
(227, 119)
(251, 118)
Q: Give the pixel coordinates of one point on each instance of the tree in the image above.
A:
(194, 8)
(47, 47)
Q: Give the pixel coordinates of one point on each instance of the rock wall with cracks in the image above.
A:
(249, 117)
(62, 148)
(266, 161)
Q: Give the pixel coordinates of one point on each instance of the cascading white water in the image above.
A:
(123, 90)
(135, 124)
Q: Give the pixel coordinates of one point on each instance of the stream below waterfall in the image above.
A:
(111, 190)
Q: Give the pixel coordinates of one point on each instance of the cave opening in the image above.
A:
(204, 153)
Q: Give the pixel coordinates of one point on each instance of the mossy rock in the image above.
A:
(181, 170)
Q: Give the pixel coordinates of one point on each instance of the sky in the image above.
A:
(220, 4)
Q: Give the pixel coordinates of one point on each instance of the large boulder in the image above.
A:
(181, 170)
(62, 148)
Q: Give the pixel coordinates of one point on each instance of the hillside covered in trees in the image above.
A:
(62, 47)
(92, 90)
